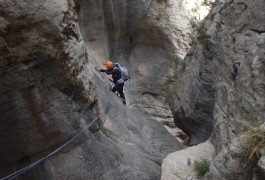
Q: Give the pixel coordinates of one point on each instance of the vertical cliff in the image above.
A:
(240, 102)
(231, 35)
(49, 91)
(150, 37)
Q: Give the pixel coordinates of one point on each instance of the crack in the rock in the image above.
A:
(223, 111)
(257, 31)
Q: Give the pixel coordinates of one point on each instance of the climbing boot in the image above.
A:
(123, 101)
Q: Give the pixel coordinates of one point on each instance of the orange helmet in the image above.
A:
(108, 64)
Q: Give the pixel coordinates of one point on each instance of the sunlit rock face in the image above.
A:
(144, 36)
(49, 91)
(198, 8)
(151, 38)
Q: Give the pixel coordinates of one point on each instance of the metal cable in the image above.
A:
(21, 171)
(28, 167)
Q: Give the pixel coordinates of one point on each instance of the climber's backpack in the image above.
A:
(125, 75)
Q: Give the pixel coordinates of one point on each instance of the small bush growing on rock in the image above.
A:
(201, 167)
(255, 142)
(203, 38)
(194, 27)
(196, 8)
(207, 3)
(211, 4)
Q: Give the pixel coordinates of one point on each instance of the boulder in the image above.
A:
(180, 165)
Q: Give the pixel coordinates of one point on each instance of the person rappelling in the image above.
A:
(119, 75)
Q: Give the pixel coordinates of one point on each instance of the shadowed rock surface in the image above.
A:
(233, 31)
(48, 92)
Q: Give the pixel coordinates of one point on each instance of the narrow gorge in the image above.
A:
(196, 91)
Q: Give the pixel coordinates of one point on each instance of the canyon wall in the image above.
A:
(233, 33)
(49, 91)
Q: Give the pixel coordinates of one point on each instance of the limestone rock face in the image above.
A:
(239, 103)
(149, 37)
(232, 32)
(231, 35)
(192, 95)
(160, 42)
(238, 160)
(48, 92)
(45, 86)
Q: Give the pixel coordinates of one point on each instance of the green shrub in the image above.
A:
(201, 167)
(203, 38)
(195, 9)
(209, 3)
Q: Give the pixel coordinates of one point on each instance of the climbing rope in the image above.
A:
(23, 170)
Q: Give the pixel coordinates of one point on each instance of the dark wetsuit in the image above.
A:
(116, 76)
